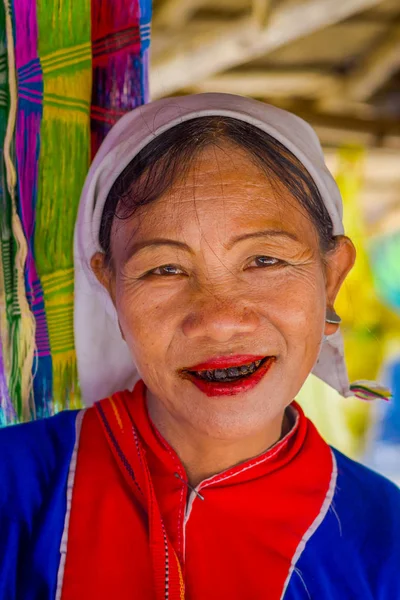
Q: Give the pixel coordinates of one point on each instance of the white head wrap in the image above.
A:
(104, 362)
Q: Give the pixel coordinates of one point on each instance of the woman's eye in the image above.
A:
(166, 270)
(265, 261)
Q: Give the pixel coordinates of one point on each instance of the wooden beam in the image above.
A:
(334, 130)
(377, 127)
(190, 59)
(262, 83)
(377, 68)
(339, 104)
(350, 93)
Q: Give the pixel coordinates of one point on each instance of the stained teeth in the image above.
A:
(246, 369)
(233, 372)
(229, 374)
(220, 374)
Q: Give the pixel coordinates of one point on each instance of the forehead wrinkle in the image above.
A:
(259, 177)
(215, 173)
(172, 214)
(216, 166)
(203, 237)
(189, 194)
(220, 187)
(224, 221)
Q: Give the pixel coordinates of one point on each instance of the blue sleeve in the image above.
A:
(370, 508)
(355, 551)
(34, 465)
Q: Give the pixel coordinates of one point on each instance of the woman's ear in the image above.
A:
(103, 273)
(339, 262)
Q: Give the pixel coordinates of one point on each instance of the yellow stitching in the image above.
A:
(181, 583)
(116, 413)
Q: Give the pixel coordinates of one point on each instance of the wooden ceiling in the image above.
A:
(334, 62)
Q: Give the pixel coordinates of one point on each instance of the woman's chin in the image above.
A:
(232, 417)
(235, 422)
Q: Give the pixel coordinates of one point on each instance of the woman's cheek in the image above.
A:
(145, 320)
(294, 290)
(297, 310)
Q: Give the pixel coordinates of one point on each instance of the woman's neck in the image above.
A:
(203, 456)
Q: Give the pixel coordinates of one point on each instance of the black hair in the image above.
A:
(153, 171)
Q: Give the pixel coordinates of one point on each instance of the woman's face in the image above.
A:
(224, 270)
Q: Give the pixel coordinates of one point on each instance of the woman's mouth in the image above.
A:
(239, 375)
(230, 374)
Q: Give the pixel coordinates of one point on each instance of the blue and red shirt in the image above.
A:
(95, 504)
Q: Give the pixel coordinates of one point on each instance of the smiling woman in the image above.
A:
(209, 251)
(203, 267)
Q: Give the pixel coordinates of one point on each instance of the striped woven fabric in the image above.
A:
(120, 41)
(79, 67)
(7, 413)
(30, 96)
(65, 57)
(18, 338)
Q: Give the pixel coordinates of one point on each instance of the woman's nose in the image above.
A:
(219, 319)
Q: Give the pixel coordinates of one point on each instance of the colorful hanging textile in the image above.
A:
(27, 142)
(19, 339)
(78, 67)
(6, 408)
(120, 43)
(63, 44)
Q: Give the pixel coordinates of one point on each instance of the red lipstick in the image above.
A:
(230, 388)
(224, 362)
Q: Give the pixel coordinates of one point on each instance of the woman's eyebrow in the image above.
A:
(157, 242)
(132, 249)
(266, 233)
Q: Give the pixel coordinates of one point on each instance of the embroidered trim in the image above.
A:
(179, 468)
(70, 486)
(118, 449)
(182, 473)
(314, 525)
(162, 551)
